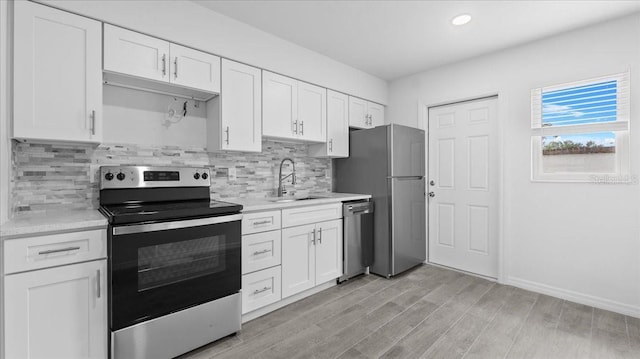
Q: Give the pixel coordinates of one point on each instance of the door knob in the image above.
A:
(431, 194)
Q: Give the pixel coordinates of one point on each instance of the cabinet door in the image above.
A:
(337, 124)
(358, 113)
(376, 114)
(57, 312)
(279, 106)
(328, 251)
(132, 53)
(195, 69)
(57, 75)
(298, 259)
(260, 251)
(241, 107)
(260, 289)
(312, 112)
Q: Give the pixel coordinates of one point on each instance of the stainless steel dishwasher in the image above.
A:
(357, 252)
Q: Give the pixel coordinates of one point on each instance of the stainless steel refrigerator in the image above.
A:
(388, 162)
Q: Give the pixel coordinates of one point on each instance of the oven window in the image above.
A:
(174, 262)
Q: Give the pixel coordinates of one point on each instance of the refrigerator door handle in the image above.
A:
(406, 177)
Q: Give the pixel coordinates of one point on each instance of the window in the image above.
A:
(580, 131)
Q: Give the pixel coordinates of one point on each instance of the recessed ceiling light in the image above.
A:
(461, 19)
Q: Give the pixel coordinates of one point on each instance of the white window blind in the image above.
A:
(580, 129)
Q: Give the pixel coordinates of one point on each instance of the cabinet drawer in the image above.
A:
(260, 289)
(260, 222)
(260, 251)
(30, 253)
(305, 215)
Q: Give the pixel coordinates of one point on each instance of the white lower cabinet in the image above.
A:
(260, 250)
(57, 312)
(289, 251)
(311, 255)
(298, 259)
(261, 288)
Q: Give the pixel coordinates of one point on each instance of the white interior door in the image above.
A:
(462, 181)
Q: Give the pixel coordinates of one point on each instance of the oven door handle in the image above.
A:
(163, 226)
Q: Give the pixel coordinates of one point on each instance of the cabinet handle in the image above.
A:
(313, 240)
(175, 67)
(302, 128)
(164, 65)
(320, 236)
(261, 252)
(43, 253)
(261, 222)
(331, 145)
(99, 277)
(295, 126)
(93, 122)
(258, 291)
(227, 132)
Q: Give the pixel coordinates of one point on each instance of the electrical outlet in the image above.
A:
(231, 174)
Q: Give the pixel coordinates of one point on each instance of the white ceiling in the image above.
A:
(391, 39)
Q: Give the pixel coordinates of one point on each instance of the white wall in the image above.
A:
(190, 24)
(577, 241)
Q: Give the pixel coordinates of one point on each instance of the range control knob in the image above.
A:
(120, 176)
(196, 175)
(204, 176)
(108, 176)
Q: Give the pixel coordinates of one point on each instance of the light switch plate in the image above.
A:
(231, 174)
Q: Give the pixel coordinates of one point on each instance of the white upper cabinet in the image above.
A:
(358, 117)
(190, 72)
(279, 106)
(193, 68)
(57, 75)
(312, 112)
(135, 54)
(292, 109)
(376, 114)
(337, 144)
(365, 114)
(235, 117)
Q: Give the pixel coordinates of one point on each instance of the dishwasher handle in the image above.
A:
(357, 208)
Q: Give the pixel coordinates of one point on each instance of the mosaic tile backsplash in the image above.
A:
(56, 176)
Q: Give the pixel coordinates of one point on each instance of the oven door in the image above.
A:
(161, 268)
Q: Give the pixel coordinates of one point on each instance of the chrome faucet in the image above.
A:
(281, 189)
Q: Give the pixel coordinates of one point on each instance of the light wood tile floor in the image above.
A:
(431, 312)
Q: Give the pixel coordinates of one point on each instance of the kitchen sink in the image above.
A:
(295, 199)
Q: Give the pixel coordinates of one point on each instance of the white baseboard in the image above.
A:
(576, 297)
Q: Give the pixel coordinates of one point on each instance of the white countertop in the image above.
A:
(50, 222)
(24, 225)
(263, 204)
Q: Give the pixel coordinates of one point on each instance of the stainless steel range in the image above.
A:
(174, 261)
